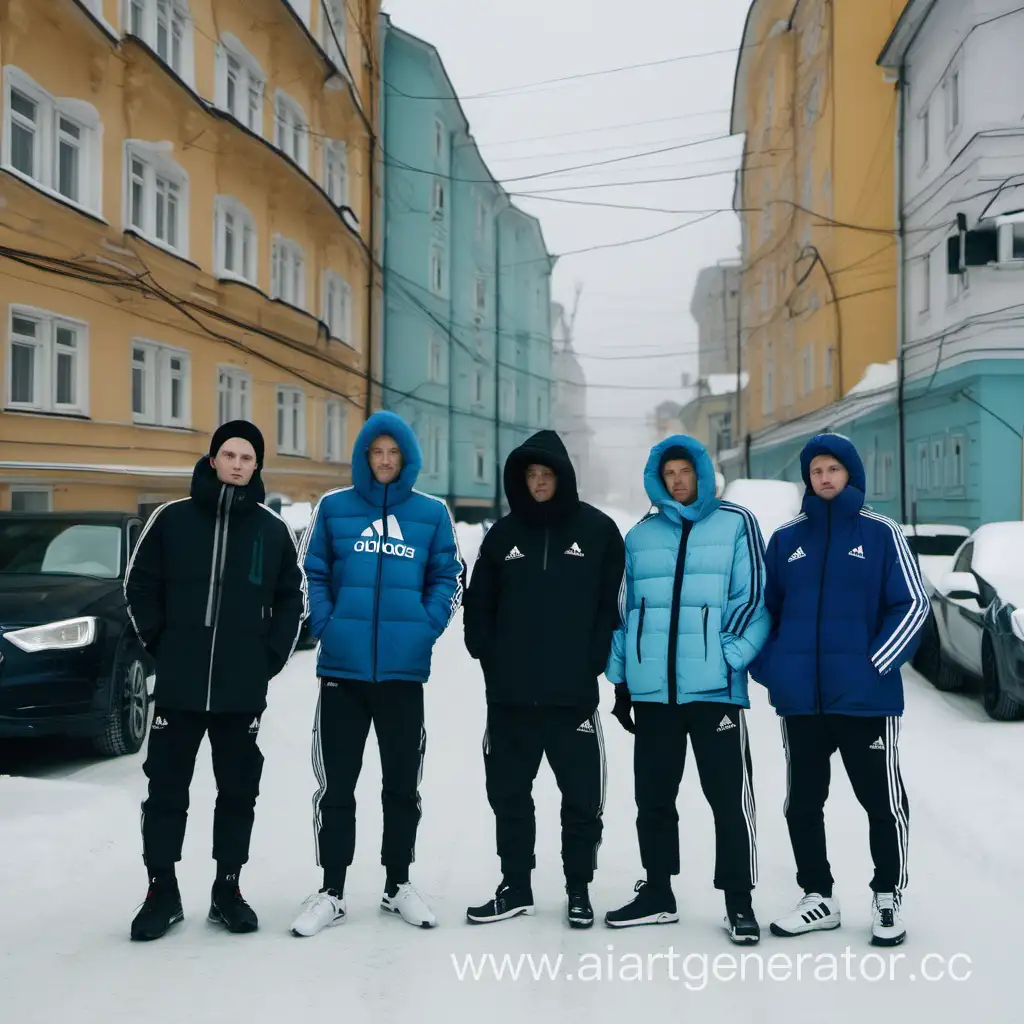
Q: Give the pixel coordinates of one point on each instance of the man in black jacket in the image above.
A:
(540, 611)
(216, 595)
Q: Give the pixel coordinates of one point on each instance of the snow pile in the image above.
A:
(876, 377)
(773, 502)
(716, 384)
(470, 536)
(297, 515)
(625, 521)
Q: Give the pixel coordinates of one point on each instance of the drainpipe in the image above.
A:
(901, 289)
(450, 213)
(497, 361)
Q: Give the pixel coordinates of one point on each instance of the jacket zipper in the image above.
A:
(380, 570)
(673, 621)
(219, 589)
(545, 549)
(640, 628)
(821, 595)
(704, 617)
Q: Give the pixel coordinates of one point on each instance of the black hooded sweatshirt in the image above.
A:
(542, 601)
(216, 595)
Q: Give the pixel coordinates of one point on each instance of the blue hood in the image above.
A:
(851, 500)
(706, 502)
(412, 459)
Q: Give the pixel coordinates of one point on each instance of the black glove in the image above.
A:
(623, 707)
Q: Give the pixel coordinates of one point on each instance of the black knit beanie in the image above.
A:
(238, 428)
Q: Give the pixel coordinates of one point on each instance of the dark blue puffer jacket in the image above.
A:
(383, 568)
(846, 600)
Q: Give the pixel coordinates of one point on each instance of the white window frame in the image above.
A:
(435, 359)
(478, 386)
(53, 116)
(336, 182)
(481, 220)
(250, 84)
(335, 430)
(230, 213)
(437, 199)
(956, 472)
(828, 367)
(176, 14)
(290, 117)
(479, 294)
(924, 284)
(440, 131)
(1008, 227)
(159, 174)
(288, 272)
(479, 465)
(337, 306)
(936, 463)
(923, 472)
(32, 489)
(334, 31)
(506, 403)
(234, 390)
(808, 368)
(924, 120)
(46, 360)
(952, 91)
(540, 410)
(157, 382)
(291, 440)
(436, 269)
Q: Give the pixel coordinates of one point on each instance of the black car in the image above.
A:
(70, 662)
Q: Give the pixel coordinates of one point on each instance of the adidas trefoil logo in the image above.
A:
(586, 726)
(514, 554)
(726, 723)
(375, 541)
(255, 727)
(159, 722)
(858, 551)
(798, 554)
(574, 549)
(877, 745)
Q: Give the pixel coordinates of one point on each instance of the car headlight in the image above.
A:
(55, 636)
(1017, 623)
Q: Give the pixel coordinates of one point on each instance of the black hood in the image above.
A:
(544, 448)
(206, 488)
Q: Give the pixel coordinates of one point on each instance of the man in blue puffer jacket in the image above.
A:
(847, 605)
(692, 619)
(383, 569)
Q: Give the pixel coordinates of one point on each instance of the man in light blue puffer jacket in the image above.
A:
(692, 619)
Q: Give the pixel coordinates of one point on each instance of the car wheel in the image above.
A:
(997, 702)
(948, 677)
(927, 660)
(125, 729)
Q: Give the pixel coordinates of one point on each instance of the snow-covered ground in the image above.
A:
(71, 878)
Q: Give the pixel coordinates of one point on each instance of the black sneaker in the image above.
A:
(161, 909)
(227, 907)
(740, 922)
(577, 907)
(649, 906)
(508, 902)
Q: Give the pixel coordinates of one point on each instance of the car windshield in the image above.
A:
(947, 544)
(60, 546)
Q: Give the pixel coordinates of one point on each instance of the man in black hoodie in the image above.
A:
(540, 611)
(216, 595)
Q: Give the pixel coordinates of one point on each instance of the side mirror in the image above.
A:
(961, 587)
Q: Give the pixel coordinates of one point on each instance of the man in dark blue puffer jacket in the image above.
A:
(384, 574)
(847, 605)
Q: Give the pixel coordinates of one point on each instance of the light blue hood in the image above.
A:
(706, 502)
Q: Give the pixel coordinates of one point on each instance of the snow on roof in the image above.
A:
(723, 383)
(876, 377)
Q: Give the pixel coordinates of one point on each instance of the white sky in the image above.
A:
(635, 298)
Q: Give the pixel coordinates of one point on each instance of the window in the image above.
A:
(53, 142)
(48, 362)
(31, 499)
(768, 395)
(540, 410)
(924, 282)
(809, 370)
(166, 27)
(957, 466)
(160, 385)
(156, 197)
(288, 272)
(481, 220)
(923, 483)
(435, 360)
(828, 367)
(433, 449)
(439, 139)
(479, 294)
(337, 306)
(336, 172)
(334, 30)
(478, 386)
(235, 242)
(437, 200)
(924, 121)
(812, 104)
(951, 88)
(291, 421)
(479, 465)
(335, 430)
(1010, 237)
(291, 132)
(507, 402)
(240, 83)
(436, 270)
(234, 395)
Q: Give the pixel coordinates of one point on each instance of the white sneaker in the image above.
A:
(319, 911)
(410, 904)
(887, 928)
(814, 913)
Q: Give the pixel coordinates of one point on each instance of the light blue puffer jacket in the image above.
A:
(711, 599)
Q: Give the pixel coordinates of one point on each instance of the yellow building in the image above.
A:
(186, 233)
(816, 199)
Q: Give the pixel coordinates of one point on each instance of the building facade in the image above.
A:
(467, 339)
(187, 197)
(715, 305)
(569, 401)
(710, 417)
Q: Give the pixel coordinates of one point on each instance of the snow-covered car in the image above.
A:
(978, 610)
(773, 502)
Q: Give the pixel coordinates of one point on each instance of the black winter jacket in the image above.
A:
(216, 595)
(542, 601)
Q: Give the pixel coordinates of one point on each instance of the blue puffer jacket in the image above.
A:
(846, 601)
(692, 600)
(383, 568)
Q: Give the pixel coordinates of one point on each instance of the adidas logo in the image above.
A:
(798, 554)
(255, 727)
(377, 529)
(514, 554)
(159, 722)
(726, 723)
(878, 744)
(586, 726)
(858, 551)
(376, 543)
(574, 549)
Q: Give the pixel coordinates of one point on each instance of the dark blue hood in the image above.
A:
(412, 459)
(851, 500)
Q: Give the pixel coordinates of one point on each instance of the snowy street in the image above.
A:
(71, 878)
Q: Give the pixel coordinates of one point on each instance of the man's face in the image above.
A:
(680, 480)
(235, 463)
(385, 459)
(828, 476)
(541, 481)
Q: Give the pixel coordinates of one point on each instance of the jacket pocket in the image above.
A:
(640, 629)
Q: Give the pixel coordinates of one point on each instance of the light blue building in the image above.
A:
(467, 284)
